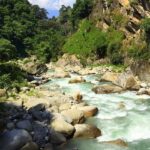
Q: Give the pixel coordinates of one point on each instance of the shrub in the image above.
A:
(7, 50)
(87, 40)
(115, 39)
(138, 50)
(145, 25)
(118, 18)
(11, 75)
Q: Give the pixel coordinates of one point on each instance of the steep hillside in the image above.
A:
(126, 16)
(124, 29)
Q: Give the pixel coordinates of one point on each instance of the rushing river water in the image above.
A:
(130, 123)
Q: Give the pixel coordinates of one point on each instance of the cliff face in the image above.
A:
(123, 15)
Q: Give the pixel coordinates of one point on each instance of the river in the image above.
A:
(123, 116)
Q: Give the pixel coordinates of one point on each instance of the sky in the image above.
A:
(52, 6)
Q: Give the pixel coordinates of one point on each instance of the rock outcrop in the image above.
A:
(142, 70)
(127, 81)
(32, 66)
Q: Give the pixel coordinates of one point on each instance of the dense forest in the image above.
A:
(26, 30)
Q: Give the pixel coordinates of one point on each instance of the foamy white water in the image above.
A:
(121, 116)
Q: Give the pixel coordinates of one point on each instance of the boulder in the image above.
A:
(86, 131)
(14, 139)
(63, 127)
(76, 106)
(60, 116)
(143, 91)
(48, 146)
(121, 105)
(30, 146)
(118, 142)
(10, 125)
(57, 138)
(78, 97)
(77, 80)
(2, 125)
(89, 111)
(33, 66)
(106, 88)
(24, 124)
(65, 106)
(109, 77)
(143, 85)
(127, 81)
(61, 74)
(76, 115)
(53, 109)
(124, 3)
(142, 70)
(68, 60)
(38, 107)
(40, 131)
(3, 92)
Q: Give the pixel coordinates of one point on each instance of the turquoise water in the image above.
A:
(130, 122)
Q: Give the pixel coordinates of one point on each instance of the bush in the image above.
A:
(145, 25)
(115, 39)
(87, 40)
(138, 50)
(11, 75)
(118, 18)
(48, 45)
(7, 50)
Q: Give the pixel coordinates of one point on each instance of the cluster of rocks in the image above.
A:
(46, 117)
(144, 89)
(45, 122)
(120, 82)
(70, 63)
(37, 80)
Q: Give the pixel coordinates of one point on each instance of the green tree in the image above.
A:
(7, 50)
(81, 9)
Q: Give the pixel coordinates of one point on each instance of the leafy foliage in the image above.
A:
(114, 46)
(10, 75)
(81, 10)
(87, 40)
(7, 50)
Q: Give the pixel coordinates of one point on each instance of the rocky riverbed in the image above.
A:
(48, 115)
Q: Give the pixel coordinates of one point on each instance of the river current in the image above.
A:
(123, 116)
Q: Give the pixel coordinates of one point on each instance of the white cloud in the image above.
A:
(52, 4)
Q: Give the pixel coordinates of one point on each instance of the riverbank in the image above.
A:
(57, 110)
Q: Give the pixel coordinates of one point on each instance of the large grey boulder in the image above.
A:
(57, 138)
(30, 146)
(14, 139)
(107, 88)
(41, 133)
(24, 124)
